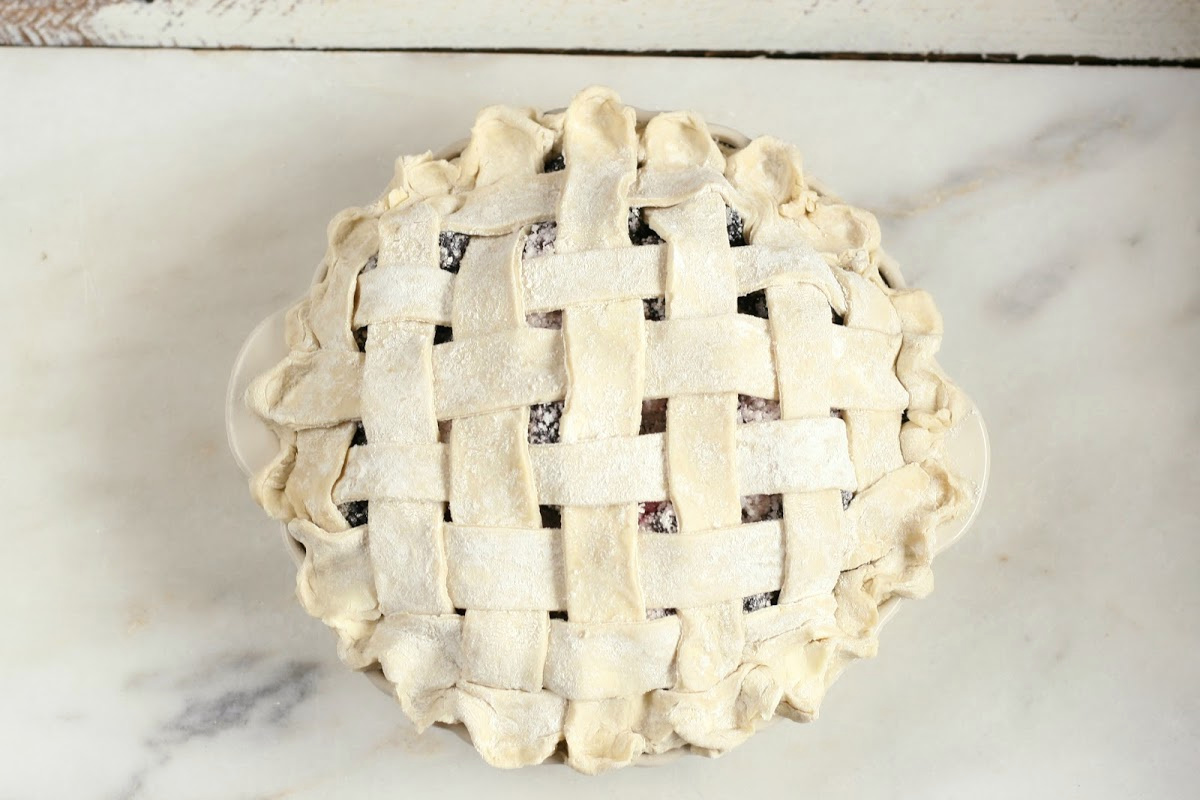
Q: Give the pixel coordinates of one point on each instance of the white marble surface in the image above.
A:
(155, 205)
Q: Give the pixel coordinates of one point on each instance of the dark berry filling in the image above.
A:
(640, 231)
(540, 240)
(759, 601)
(654, 416)
(760, 507)
(551, 320)
(559, 615)
(735, 227)
(659, 613)
(756, 409)
(657, 517)
(654, 308)
(451, 248)
(753, 304)
(554, 164)
(544, 419)
(442, 334)
(838, 319)
(355, 512)
(446, 516)
(551, 516)
(360, 434)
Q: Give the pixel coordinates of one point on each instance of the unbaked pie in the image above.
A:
(608, 436)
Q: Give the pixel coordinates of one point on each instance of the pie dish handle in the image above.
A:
(251, 442)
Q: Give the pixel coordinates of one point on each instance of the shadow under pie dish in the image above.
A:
(606, 436)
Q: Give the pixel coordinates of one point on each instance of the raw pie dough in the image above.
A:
(613, 639)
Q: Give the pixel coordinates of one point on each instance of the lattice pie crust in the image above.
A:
(734, 455)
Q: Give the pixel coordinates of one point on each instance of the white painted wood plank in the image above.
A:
(1117, 29)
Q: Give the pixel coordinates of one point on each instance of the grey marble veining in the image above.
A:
(223, 696)
(155, 205)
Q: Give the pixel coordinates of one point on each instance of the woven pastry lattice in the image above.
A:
(606, 434)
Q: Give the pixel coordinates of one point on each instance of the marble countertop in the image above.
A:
(155, 205)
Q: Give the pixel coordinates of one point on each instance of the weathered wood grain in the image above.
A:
(1113, 29)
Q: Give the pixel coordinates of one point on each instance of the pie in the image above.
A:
(607, 436)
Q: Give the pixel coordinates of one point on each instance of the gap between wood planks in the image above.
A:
(933, 57)
(959, 58)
